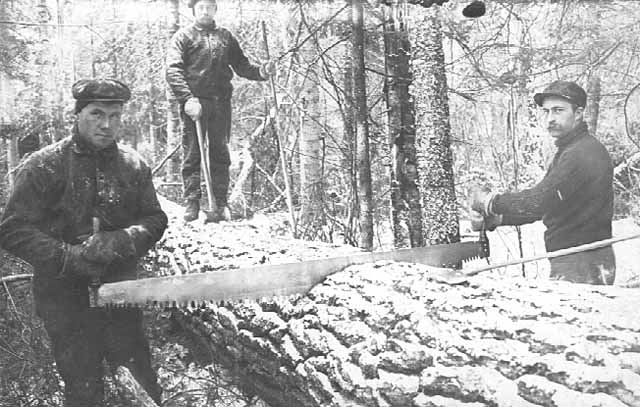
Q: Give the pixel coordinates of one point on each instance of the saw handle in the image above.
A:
(94, 284)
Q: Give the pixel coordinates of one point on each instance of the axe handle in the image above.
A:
(94, 284)
(205, 164)
(556, 253)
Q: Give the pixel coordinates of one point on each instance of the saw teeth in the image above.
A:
(474, 263)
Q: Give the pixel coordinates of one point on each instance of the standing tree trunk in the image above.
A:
(594, 95)
(362, 129)
(406, 213)
(174, 131)
(311, 158)
(349, 121)
(435, 160)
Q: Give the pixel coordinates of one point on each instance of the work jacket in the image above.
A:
(574, 199)
(199, 61)
(58, 191)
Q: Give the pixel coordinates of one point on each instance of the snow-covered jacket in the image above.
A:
(57, 192)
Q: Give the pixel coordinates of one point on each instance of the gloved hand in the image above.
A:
(479, 222)
(481, 200)
(193, 108)
(268, 69)
(106, 247)
(75, 264)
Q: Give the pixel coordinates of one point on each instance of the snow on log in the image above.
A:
(386, 334)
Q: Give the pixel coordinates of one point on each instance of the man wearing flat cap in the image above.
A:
(61, 193)
(575, 197)
(199, 61)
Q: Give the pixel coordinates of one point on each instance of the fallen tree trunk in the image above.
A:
(385, 335)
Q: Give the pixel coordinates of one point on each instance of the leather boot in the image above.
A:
(191, 211)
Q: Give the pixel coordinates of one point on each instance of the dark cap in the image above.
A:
(100, 90)
(564, 89)
(193, 2)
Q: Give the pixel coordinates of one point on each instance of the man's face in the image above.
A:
(558, 116)
(99, 123)
(205, 11)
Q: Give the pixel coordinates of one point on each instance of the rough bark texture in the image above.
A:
(386, 335)
(594, 96)
(433, 132)
(174, 128)
(365, 194)
(406, 213)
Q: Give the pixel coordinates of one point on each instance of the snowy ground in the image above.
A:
(504, 246)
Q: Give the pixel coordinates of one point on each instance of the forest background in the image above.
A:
(480, 117)
(448, 106)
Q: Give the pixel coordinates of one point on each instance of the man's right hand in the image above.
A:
(479, 222)
(75, 265)
(193, 108)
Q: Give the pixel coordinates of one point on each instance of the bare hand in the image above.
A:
(193, 108)
(268, 69)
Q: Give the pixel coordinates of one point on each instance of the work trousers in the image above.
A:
(216, 124)
(591, 267)
(81, 337)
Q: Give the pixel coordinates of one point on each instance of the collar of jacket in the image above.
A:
(580, 130)
(82, 147)
(211, 27)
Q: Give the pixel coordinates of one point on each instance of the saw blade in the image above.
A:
(271, 280)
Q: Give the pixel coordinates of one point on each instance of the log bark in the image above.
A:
(386, 335)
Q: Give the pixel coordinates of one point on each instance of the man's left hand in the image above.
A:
(268, 69)
(106, 247)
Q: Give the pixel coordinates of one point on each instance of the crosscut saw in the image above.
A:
(280, 279)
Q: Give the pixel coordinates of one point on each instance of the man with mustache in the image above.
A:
(574, 199)
(59, 193)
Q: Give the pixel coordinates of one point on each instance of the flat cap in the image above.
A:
(192, 3)
(100, 90)
(564, 89)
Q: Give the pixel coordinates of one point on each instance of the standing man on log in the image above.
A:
(199, 62)
(61, 193)
(574, 199)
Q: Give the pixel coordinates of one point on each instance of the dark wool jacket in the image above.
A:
(57, 192)
(574, 199)
(198, 61)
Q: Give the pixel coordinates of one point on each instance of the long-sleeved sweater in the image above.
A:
(574, 199)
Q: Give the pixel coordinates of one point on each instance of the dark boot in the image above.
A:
(191, 211)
